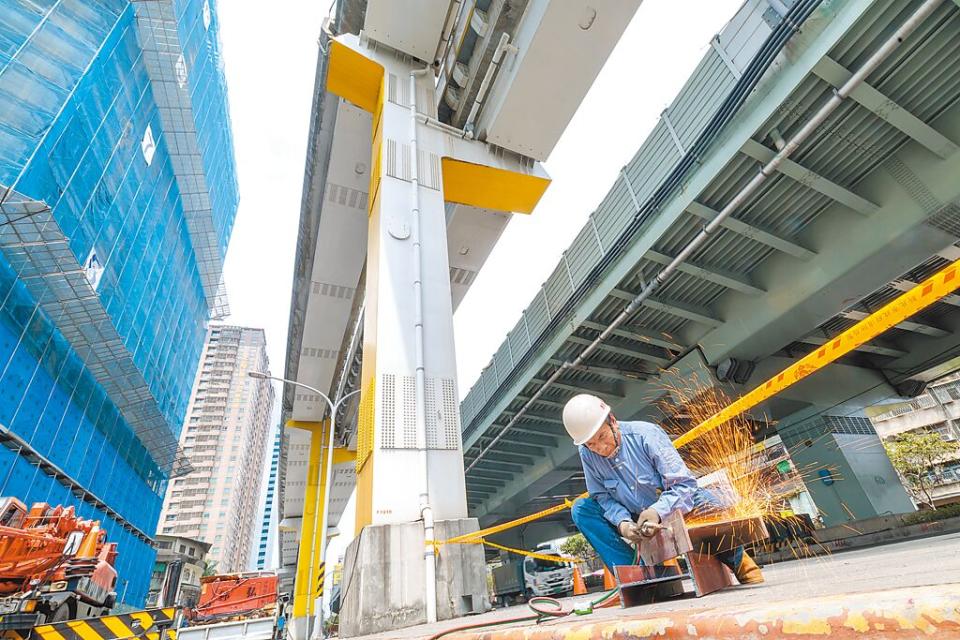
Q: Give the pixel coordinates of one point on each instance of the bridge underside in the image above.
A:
(864, 209)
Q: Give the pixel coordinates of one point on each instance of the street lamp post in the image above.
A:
(322, 529)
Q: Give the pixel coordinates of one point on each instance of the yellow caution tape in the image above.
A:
(529, 554)
(521, 552)
(940, 284)
(482, 533)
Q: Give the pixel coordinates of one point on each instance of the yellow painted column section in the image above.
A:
(366, 420)
(303, 588)
(366, 436)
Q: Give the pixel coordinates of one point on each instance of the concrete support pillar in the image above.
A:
(409, 453)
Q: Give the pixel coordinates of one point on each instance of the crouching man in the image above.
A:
(634, 475)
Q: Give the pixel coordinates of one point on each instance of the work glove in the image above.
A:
(648, 515)
(630, 530)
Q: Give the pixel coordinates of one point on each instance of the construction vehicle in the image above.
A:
(54, 566)
(241, 605)
(525, 578)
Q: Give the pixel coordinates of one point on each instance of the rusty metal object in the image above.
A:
(644, 584)
(881, 615)
(671, 541)
(709, 574)
(723, 536)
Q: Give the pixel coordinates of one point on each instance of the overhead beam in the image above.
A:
(482, 482)
(578, 387)
(637, 334)
(510, 458)
(811, 179)
(621, 351)
(535, 416)
(874, 347)
(486, 463)
(757, 234)
(542, 400)
(906, 325)
(529, 439)
(482, 493)
(887, 109)
(522, 447)
(489, 474)
(723, 278)
(607, 372)
(681, 310)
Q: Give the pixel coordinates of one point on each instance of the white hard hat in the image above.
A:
(583, 416)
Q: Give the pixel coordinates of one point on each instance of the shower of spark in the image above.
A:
(725, 459)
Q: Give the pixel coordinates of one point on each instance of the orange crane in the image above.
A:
(54, 566)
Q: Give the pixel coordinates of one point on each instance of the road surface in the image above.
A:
(914, 563)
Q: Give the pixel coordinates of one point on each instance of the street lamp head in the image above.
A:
(259, 375)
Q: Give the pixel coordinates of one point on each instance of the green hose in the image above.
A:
(553, 610)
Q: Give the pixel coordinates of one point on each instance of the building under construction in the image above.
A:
(117, 200)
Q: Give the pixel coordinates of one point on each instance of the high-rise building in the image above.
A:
(117, 200)
(224, 437)
(266, 553)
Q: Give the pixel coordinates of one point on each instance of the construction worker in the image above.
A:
(635, 476)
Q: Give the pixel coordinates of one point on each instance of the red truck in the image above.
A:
(236, 596)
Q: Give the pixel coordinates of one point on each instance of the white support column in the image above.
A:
(410, 472)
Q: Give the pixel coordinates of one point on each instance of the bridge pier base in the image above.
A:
(383, 584)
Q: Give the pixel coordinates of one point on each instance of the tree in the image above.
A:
(209, 568)
(577, 547)
(918, 457)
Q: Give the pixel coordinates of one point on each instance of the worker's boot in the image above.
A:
(748, 572)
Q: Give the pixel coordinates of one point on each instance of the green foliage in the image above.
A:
(577, 547)
(209, 568)
(949, 511)
(918, 457)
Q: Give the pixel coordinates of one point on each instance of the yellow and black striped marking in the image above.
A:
(321, 573)
(148, 624)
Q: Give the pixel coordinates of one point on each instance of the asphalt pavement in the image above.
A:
(915, 563)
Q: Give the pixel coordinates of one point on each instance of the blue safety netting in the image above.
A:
(100, 254)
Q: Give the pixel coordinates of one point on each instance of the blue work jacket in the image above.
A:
(645, 472)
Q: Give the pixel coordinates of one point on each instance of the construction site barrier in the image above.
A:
(149, 624)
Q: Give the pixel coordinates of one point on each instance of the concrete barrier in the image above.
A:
(878, 536)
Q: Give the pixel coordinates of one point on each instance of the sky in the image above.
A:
(270, 59)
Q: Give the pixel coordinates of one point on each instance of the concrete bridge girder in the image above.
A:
(854, 250)
(812, 45)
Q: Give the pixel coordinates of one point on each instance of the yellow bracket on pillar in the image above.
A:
(354, 77)
(488, 187)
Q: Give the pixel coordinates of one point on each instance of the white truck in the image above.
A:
(520, 579)
(256, 629)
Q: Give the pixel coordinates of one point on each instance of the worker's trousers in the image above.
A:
(614, 550)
